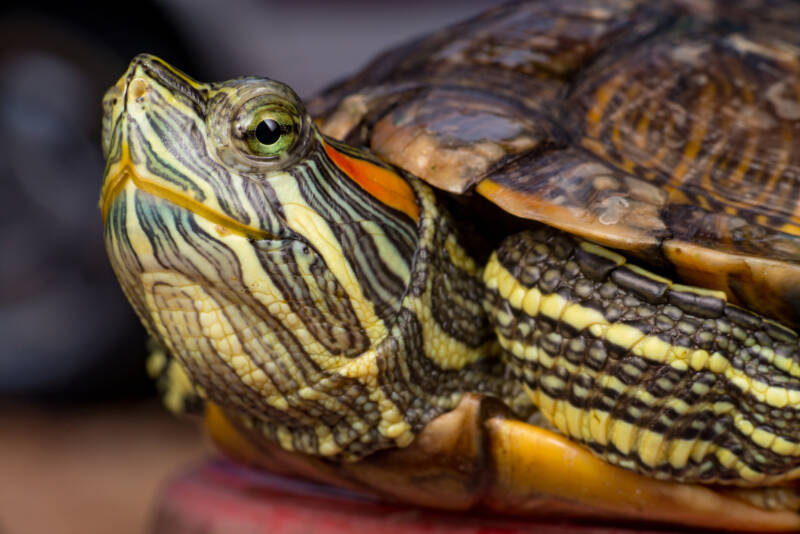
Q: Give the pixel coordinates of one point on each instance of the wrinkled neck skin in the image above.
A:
(337, 314)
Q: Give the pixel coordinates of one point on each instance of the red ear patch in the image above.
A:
(386, 186)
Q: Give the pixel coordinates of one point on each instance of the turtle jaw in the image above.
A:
(125, 175)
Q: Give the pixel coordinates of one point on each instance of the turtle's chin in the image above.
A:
(246, 318)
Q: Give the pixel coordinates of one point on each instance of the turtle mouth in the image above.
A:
(117, 180)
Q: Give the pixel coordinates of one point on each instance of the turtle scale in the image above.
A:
(666, 131)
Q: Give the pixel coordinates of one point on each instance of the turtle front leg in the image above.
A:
(667, 380)
(479, 456)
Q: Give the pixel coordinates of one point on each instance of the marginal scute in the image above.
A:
(567, 189)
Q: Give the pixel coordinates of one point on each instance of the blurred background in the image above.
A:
(84, 443)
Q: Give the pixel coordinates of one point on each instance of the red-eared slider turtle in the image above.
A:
(342, 319)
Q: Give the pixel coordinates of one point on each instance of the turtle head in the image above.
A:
(263, 255)
(203, 146)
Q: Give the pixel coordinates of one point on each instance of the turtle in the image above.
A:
(542, 261)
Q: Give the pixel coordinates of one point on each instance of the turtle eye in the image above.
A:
(271, 133)
(260, 127)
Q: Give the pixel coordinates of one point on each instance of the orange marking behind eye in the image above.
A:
(383, 184)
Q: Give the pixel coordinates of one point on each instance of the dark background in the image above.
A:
(83, 442)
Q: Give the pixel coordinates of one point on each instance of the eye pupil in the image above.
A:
(268, 132)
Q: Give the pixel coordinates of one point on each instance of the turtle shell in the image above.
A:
(666, 130)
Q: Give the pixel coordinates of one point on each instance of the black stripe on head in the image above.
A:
(177, 86)
(312, 295)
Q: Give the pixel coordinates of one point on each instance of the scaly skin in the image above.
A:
(665, 379)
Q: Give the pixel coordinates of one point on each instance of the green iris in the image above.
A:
(271, 133)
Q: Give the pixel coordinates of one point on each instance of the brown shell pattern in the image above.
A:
(668, 130)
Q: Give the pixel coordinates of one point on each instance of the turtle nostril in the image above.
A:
(137, 88)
